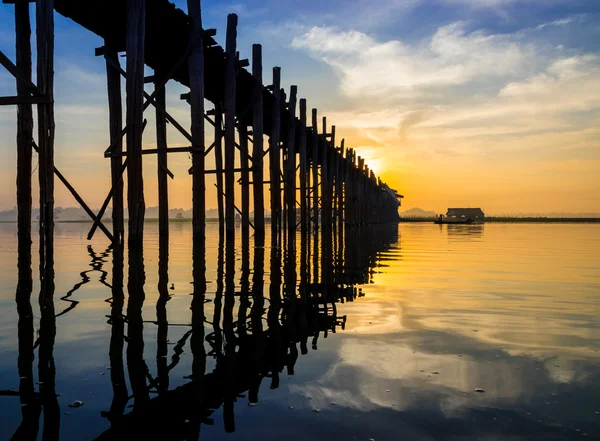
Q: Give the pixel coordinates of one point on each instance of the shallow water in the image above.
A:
(429, 314)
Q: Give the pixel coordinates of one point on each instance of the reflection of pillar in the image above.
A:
(115, 353)
(273, 317)
(30, 410)
(46, 368)
(256, 313)
(289, 308)
(161, 315)
(135, 330)
(230, 339)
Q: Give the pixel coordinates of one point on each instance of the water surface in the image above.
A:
(385, 335)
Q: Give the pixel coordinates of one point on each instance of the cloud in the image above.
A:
(391, 69)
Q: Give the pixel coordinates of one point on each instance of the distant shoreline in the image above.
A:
(549, 220)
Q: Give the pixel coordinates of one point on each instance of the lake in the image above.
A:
(415, 332)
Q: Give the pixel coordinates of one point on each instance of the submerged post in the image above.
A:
(245, 179)
(45, 83)
(196, 73)
(257, 145)
(24, 137)
(303, 169)
(115, 117)
(136, 17)
(230, 91)
(274, 152)
(161, 146)
(290, 175)
(219, 165)
(315, 170)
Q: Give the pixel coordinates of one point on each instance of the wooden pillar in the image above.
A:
(24, 139)
(219, 165)
(257, 146)
(115, 117)
(196, 74)
(230, 91)
(325, 175)
(290, 174)
(274, 152)
(136, 17)
(245, 180)
(161, 146)
(315, 170)
(45, 83)
(304, 202)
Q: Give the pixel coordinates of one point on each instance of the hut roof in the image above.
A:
(468, 212)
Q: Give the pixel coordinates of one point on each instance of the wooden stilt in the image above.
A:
(196, 73)
(24, 137)
(245, 180)
(45, 83)
(303, 169)
(257, 146)
(274, 153)
(161, 145)
(290, 175)
(115, 117)
(230, 93)
(136, 17)
(219, 165)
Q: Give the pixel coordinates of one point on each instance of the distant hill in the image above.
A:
(417, 212)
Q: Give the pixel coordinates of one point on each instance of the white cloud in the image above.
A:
(392, 69)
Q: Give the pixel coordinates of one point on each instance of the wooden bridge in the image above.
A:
(314, 182)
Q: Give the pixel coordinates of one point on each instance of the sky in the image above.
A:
(481, 103)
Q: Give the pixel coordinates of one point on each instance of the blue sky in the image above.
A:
(505, 91)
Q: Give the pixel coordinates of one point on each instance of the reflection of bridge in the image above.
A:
(256, 339)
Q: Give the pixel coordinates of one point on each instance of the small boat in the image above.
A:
(461, 216)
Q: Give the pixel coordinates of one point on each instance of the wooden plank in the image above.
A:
(257, 146)
(229, 102)
(136, 17)
(45, 82)
(24, 137)
(21, 74)
(115, 118)
(304, 202)
(16, 100)
(274, 152)
(196, 74)
(290, 173)
(162, 162)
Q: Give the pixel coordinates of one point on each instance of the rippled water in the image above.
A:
(429, 314)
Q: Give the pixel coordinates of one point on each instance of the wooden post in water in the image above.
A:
(315, 170)
(325, 182)
(219, 165)
(274, 152)
(290, 174)
(196, 73)
(136, 18)
(161, 146)
(245, 179)
(24, 138)
(230, 91)
(115, 117)
(257, 146)
(45, 83)
(304, 200)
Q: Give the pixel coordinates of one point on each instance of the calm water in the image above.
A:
(429, 314)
